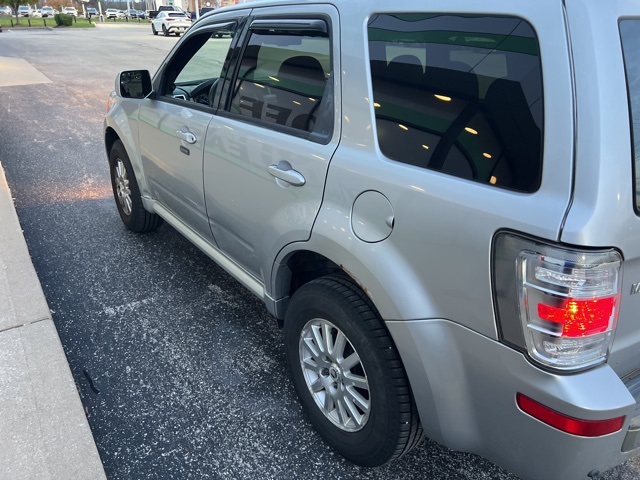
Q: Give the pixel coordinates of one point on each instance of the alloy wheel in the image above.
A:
(334, 375)
(122, 187)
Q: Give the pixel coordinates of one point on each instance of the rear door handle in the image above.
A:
(186, 136)
(283, 171)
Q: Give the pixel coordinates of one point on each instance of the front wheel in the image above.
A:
(348, 373)
(127, 193)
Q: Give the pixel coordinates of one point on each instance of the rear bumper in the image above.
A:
(178, 28)
(465, 386)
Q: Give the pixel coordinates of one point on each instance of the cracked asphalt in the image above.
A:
(181, 371)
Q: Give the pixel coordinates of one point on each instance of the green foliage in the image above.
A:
(64, 20)
(14, 4)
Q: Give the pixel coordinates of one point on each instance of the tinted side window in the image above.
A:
(459, 94)
(283, 80)
(630, 35)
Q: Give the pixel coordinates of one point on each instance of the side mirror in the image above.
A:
(134, 84)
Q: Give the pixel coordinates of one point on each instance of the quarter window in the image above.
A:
(283, 80)
(459, 94)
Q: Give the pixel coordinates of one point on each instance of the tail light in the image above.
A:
(558, 304)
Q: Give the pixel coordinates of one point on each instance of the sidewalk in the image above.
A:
(44, 433)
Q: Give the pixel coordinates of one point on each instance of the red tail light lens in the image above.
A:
(580, 318)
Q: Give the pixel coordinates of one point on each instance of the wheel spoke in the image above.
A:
(343, 415)
(310, 363)
(353, 397)
(356, 381)
(317, 336)
(339, 346)
(354, 413)
(311, 346)
(350, 362)
(329, 403)
(328, 338)
(316, 386)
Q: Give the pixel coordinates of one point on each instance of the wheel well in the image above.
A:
(110, 137)
(306, 266)
(300, 268)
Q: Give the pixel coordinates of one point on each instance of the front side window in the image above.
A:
(283, 80)
(194, 73)
(630, 34)
(459, 94)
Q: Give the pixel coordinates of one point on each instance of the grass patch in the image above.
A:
(42, 22)
(122, 20)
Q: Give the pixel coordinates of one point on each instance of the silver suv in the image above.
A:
(438, 201)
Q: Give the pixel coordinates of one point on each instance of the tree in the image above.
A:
(14, 4)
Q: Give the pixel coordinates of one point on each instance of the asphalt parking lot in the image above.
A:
(180, 370)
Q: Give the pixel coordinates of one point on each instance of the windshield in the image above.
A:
(630, 35)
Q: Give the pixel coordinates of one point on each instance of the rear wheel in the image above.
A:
(127, 194)
(348, 373)
(165, 31)
(153, 29)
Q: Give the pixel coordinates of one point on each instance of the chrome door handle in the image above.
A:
(186, 136)
(283, 171)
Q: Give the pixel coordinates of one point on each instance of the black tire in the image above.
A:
(177, 34)
(127, 194)
(165, 31)
(391, 427)
(153, 29)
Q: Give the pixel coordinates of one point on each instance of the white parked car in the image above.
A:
(47, 12)
(170, 22)
(24, 11)
(111, 13)
(36, 13)
(70, 11)
(6, 10)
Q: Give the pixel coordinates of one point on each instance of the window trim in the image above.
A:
(314, 25)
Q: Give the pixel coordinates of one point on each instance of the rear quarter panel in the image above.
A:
(436, 262)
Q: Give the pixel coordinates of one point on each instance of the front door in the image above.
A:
(173, 125)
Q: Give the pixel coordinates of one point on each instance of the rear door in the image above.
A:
(267, 154)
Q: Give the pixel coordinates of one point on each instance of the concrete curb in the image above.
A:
(44, 433)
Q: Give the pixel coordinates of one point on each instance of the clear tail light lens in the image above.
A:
(565, 300)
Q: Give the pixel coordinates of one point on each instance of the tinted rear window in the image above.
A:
(630, 34)
(459, 94)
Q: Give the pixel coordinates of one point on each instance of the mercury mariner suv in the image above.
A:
(438, 201)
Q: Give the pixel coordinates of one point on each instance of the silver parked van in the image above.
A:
(438, 201)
